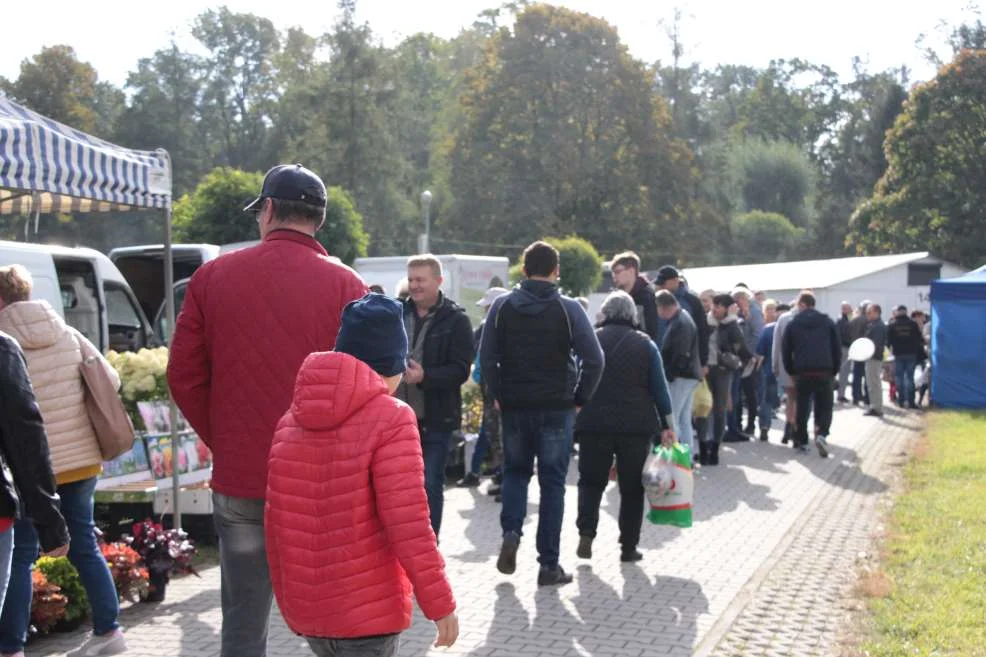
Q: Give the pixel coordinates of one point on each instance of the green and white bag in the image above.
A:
(667, 479)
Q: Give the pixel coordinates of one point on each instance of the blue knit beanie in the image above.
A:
(373, 331)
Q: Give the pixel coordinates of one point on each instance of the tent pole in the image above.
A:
(169, 296)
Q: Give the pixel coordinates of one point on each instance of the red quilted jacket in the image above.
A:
(348, 532)
(248, 321)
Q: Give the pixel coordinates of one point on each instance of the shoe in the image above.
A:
(750, 429)
(703, 453)
(802, 449)
(787, 434)
(714, 454)
(873, 413)
(821, 442)
(507, 562)
(630, 556)
(471, 480)
(736, 437)
(498, 478)
(764, 435)
(843, 400)
(585, 547)
(498, 499)
(495, 489)
(107, 644)
(553, 577)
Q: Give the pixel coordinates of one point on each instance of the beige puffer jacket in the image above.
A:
(54, 353)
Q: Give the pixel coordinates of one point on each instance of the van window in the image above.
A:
(161, 328)
(126, 332)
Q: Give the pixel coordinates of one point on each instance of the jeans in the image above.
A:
(596, 452)
(904, 373)
(547, 437)
(682, 394)
(6, 552)
(376, 646)
(85, 555)
(844, 373)
(874, 385)
(245, 588)
(860, 392)
(489, 441)
(768, 399)
(434, 449)
(817, 393)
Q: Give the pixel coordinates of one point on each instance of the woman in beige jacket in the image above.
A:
(54, 353)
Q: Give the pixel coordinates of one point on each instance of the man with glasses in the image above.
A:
(249, 320)
(625, 269)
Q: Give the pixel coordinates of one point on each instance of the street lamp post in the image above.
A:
(424, 244)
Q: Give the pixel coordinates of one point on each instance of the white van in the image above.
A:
(84, 287)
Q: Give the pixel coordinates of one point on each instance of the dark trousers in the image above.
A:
(859, 393)
(596, 452)
(815, 393)
(376, 646)
(751, 399)
(719, 380)
(434, 450)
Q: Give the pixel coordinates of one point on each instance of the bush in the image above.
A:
(60, 572)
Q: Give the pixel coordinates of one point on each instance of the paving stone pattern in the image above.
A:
(774, 538)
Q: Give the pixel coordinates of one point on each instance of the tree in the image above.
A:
(580, 264)
(764, 237)
(933, 194)
(213, 214)
(773, 177)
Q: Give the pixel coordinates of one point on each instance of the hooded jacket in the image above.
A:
(27, 488)
(643, 296)
(53, 351)
(539, 351)
(346, 517)
(691, 304)
(811, 345)
(904, 337)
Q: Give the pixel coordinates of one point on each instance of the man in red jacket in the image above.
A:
(248, 321)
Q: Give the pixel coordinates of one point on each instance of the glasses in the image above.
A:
(616, 271)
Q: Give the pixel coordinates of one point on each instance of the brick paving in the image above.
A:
(761, 572)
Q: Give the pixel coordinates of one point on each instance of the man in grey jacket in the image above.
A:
(682, 366)
(877, 332)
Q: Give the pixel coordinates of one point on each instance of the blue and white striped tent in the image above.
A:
(46, 166)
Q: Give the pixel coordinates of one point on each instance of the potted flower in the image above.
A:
(129, 574)
(164, 551)
(48, 604)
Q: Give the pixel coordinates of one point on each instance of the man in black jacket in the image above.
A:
(669, 278)
(28, 486)
(541, 360)
(907, 344)
(625, 269)
(812, 353)
(440, 342)
(679, 351)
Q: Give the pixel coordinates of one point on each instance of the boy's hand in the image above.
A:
(448, 631)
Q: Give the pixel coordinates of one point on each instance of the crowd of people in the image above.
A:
(330, 409)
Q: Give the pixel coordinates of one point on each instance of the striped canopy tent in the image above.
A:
(47, 167)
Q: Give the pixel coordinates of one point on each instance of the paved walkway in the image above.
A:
(762, 572)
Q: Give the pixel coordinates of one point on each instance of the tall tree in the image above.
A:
(933, 195)
(773, 177)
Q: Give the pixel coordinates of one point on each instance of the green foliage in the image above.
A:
(342, 234)
(61, 572)
(580, 264)
(933, 194)
(765, 237)
(773, 177)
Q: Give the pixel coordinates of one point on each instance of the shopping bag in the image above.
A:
(667, 479)
(702, 400)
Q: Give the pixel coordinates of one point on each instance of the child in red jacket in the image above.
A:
(347, 523)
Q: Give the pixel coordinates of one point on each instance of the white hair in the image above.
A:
(619, 306)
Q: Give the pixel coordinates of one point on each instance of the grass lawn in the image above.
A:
(935, 554)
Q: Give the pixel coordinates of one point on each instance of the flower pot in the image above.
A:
(158, 586)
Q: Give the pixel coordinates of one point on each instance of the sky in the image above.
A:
(112, 35)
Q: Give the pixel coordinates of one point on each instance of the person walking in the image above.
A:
(765, 348)
(858, 326)
(679, 352)
(876, 331)
(630, 407)
(746, 387)
(28, 486)
(844, 327)
(541, 360)
(784, 380)
(442, 350)
(625, 270)
(55, 352)
(812, 353)
(731, 357)
(907, 345)
(248, 321)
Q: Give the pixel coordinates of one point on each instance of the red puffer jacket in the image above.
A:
(249, 319)
(348, 532)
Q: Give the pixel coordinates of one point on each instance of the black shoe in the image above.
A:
(495, 489)
(630, 556)
(471, 480)
(498, 478)
(750, 429)
(498, 499)
(802, 449)
(507, 562)
(703, 453)
(553, 577)
(787, 434)
(736, 437)
(842, 400)
(873, 413)
(764, 437)
(714, 454)
(585, 547)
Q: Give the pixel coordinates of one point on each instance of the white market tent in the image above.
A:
(46, 166)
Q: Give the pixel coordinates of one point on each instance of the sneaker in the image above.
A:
(107, 644)
(471, 480)
(553, 577)
(821, 442)
(764, 435)
(843, 400)
(495, 489)
(873, 413)
(802, 449)
(585, 547)
(630, 556)
(507, 562)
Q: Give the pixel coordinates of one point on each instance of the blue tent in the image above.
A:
(958, 341)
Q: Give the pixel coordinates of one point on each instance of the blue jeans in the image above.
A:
(768, 399)
(434, 449)
(904, 373)
(479, 453)
(860, 392)
(546, 436)
(682, 394)
(6, 551)
(84, 554)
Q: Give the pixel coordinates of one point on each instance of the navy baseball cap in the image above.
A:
(290, 182)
